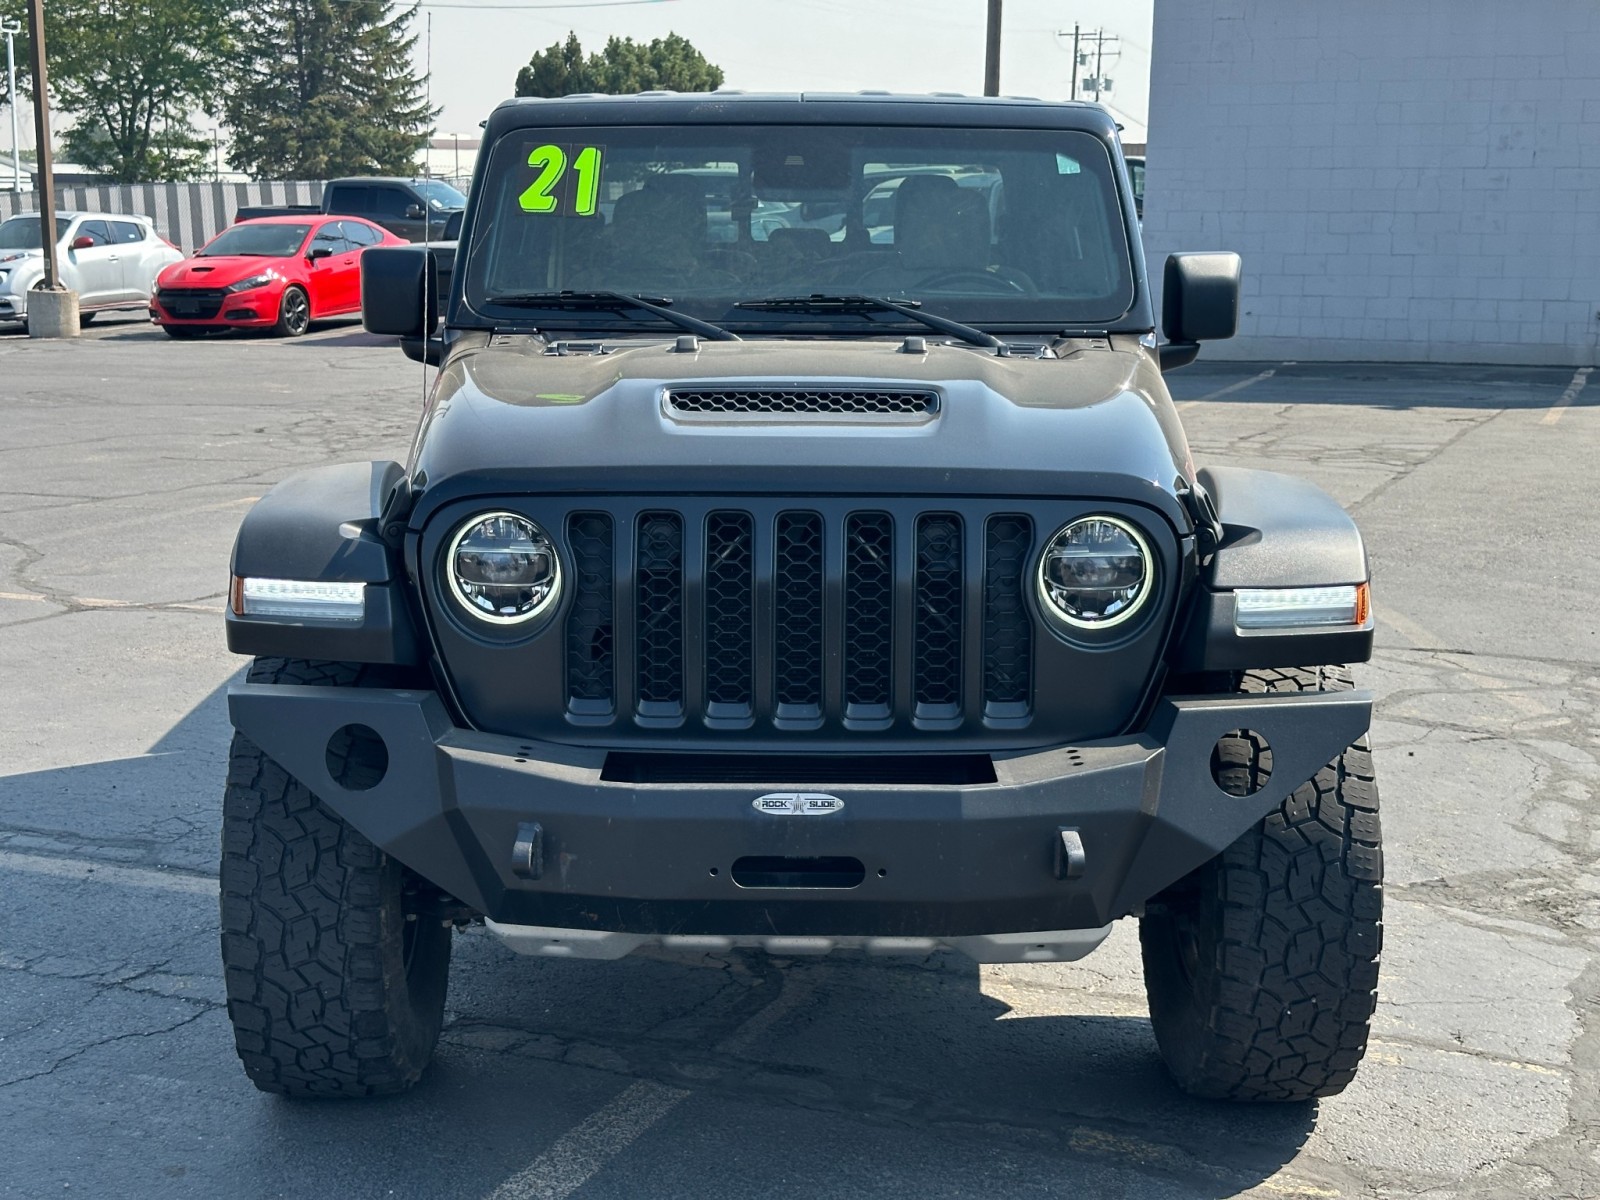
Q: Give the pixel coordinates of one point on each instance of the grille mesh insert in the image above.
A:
(590, 680)
(658, 619)
(869, 609)
(938, 641)
(730, 605)
(797, 581)
(1007, 630)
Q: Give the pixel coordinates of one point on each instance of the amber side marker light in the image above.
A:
(1347, 606)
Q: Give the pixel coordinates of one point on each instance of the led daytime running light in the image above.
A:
(1301, 608)
(300, 599)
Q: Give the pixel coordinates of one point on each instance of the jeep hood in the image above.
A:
(516, 417)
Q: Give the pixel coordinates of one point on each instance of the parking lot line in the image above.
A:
(1579, 379)
(1230, 389)
(575, 1157)
(583, 1150)
(82, 871)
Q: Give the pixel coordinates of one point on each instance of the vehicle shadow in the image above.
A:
(784, 1063)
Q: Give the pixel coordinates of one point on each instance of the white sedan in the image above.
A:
(110, 259)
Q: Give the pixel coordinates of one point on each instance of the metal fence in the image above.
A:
(186, 214)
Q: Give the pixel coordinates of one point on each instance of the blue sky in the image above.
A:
(844, 45)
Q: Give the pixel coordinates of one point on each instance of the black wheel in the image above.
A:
(335, 965)
(183, 331)
(294, 313)
(1261, 966)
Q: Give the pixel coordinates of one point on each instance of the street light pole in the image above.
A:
(991, 57)
(41, 129)
(10, 26)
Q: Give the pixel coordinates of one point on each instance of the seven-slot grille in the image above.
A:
(798, 618)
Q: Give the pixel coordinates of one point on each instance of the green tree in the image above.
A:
(129, 73)
(624, 66)
(325, 88)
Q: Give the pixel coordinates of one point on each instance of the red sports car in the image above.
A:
(277, 272)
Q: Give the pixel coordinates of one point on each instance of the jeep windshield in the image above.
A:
(990, 227)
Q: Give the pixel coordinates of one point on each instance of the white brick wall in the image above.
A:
(1412, 181)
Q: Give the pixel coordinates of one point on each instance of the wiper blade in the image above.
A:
(864, 304)
(602, 301)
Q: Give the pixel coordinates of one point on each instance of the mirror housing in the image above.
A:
(415, 212)
(399, 291)
(317, 252)
(82, 242)
(1199, 303)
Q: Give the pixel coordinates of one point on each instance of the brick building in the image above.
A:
(1406, 182)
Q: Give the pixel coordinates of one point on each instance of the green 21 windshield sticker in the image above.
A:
(566, 181)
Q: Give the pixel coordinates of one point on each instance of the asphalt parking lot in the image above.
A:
(126, 463)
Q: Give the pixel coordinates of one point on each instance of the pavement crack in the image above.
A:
(107, 1041)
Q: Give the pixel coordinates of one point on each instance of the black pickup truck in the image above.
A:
(415, 209)
(759, 580)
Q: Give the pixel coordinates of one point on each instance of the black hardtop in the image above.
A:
(799, 108)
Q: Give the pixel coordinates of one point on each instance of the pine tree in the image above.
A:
(624, 66)
(325, 88)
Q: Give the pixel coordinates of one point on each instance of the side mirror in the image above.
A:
(415, 212)
(317, 252)
(1199, 303)
(399, 291)
(82, 242)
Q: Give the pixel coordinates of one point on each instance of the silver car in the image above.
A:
(109, 259)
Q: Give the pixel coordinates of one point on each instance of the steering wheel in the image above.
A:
(997, 283)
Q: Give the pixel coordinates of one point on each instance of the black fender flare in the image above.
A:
(1277, 531)
(326, 524)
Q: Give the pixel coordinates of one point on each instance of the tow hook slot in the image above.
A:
(771, 871)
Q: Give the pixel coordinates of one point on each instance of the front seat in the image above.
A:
(940, 226)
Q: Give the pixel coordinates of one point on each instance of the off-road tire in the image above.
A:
(294, 312)
(332, 990)
(1261, 967)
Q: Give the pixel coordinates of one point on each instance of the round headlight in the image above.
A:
(503, 568)
(1095, 573)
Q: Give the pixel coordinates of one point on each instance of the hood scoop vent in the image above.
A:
(904, 404)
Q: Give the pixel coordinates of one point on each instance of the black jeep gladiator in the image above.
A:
(813, 561)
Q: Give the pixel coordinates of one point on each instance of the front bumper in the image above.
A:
(660, 860)
(249, 310)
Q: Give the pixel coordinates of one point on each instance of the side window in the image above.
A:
(127, 231)
(349, 198)
(390, 202)
(360, 233)
(100, 231)
(330, 239)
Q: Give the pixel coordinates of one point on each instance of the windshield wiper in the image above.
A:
(602, 301)
(864, 304)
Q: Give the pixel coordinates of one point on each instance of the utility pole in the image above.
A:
(991, 58)
(41, 129)
(1100, 38)
(1073, 94)
(10, 26)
